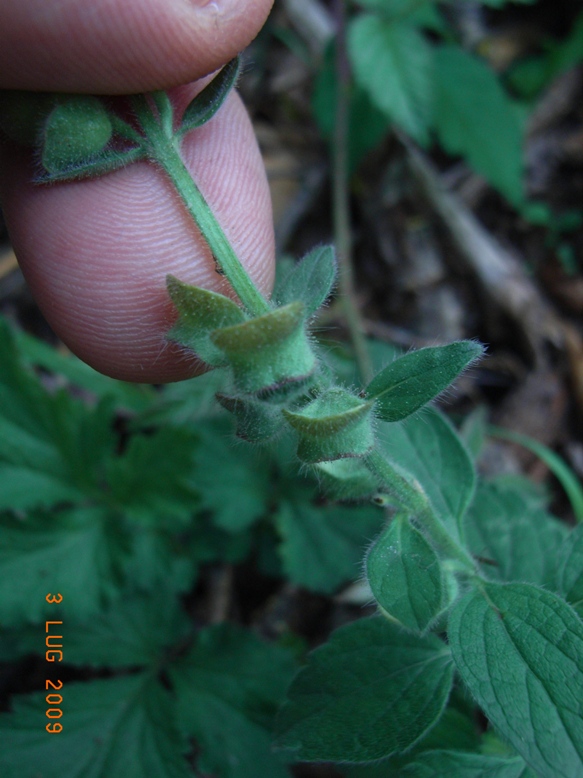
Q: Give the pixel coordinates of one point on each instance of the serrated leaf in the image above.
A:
(413, 380)
(457, 764)
(392, 61)
(229, 686)
(207, 103)
(52, 448)
(519, 649)
(310, 280)
(367, 125)
(475, 117)
(200, 313)
(405, 575)
(373, 690)
(517, 541)
(152, 480)
(135, 630)
(569, 575)
(322, 546)
(234, 487)
(427, 449)
(114, 728)
(77, 553)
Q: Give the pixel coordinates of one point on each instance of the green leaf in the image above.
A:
(77, 553)
(475, 117)
(152, 481)
(207, 103)
(113, 728)
(135, 630)
(413, 380)
(520, 651)
(310, 280)
(322, 546)
(234, 487)
(76, 131)
(333, 426)
(373, 690)
(517, 541)
(428, 450)
(229, 686)
(367, 125)
(405, 575)
(52, 448)
(200, 312)
(457, 764)
(134, 397)
(345, 479)
(569, 575)
(393, 63)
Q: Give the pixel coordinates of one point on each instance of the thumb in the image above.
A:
(117, 47)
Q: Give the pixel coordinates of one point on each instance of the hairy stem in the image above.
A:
(417, 503)
(163, 149)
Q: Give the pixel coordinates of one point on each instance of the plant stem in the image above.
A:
(341, 207)
(163, 149)
(414, 499)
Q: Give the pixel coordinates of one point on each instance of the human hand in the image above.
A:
(96, 253)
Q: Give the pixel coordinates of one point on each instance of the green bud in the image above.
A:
(76, 130)
(334, 426)
(256, 421)
(270, 355)
(201, 312)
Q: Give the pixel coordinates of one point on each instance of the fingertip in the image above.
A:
(116, 47)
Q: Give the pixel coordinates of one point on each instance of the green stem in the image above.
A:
(415, 500)
(341, 207)
(163, 149)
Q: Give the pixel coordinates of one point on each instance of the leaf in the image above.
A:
(475, 117)
(200, 313)
(112, 728)
(322, 546)
(371, 691)
(207, 103)
(405, 575)
(234, 487)
(518, 541)
(77, 553)
(229, 686)
(134, 397)
(310, 280)
(99, 165)
(256, 421)
(152, 481)
(135, 630)
(392, 62)
(569, 575)
(52, 449)
(457, 764)
(427, 449)
(520, 651)
(367, 125)
(413, 380)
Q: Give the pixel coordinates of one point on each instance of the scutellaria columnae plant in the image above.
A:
(382, 684)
